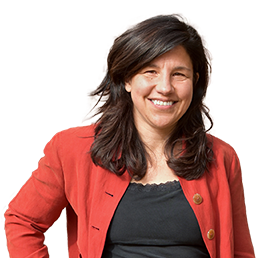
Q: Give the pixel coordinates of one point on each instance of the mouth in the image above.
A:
(162, 103)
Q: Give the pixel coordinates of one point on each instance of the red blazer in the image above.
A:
(67, 178)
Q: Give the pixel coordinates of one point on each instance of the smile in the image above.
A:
(162, 103)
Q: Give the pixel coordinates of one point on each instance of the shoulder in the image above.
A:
(73, 139)
(80, 132)
(220, 147)
(224, 155)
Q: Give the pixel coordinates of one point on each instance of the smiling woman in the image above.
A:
(162, 96)
(159, 61)
(146, 180)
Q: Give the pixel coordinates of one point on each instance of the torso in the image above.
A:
(154, 220)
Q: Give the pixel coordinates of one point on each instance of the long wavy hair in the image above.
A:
(117, 145)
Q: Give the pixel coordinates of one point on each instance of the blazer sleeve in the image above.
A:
(243, 247)
(37, 206)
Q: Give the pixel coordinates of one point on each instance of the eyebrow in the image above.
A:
(183, 68)
(152, 65)
(176, 68)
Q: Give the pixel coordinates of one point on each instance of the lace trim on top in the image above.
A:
(170, 185)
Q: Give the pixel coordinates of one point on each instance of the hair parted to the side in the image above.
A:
(117, 145)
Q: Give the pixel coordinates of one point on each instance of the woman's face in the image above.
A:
(162, 91)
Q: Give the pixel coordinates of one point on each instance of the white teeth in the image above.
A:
(161, 103)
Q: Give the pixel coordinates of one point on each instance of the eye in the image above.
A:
(179, 74)
(150, 72)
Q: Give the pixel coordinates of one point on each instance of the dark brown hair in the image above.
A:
(117, 145)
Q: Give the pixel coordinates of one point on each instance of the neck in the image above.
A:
(157, 170)
(154, 139)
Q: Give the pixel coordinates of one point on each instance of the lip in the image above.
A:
(157, 105)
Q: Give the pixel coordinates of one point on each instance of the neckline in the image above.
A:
(169, 185)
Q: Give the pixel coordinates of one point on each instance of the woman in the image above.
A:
(146, 180)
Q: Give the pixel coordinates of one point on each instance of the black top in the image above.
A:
(154, 221)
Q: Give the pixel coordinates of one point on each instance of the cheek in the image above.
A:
(186, 93)
(190, 94)
(137, 95)
(140, 90)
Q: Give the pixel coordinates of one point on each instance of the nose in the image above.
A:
(164, 86)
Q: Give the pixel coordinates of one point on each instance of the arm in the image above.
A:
(243, 247)
(36, 207)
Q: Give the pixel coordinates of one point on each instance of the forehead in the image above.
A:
(175, 57)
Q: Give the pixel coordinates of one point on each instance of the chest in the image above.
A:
(154, 216)
(158, 172)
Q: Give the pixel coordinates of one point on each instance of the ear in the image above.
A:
(196, 78)
(128, 86)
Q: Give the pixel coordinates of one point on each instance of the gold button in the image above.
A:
(197, 199)
(211, 234)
